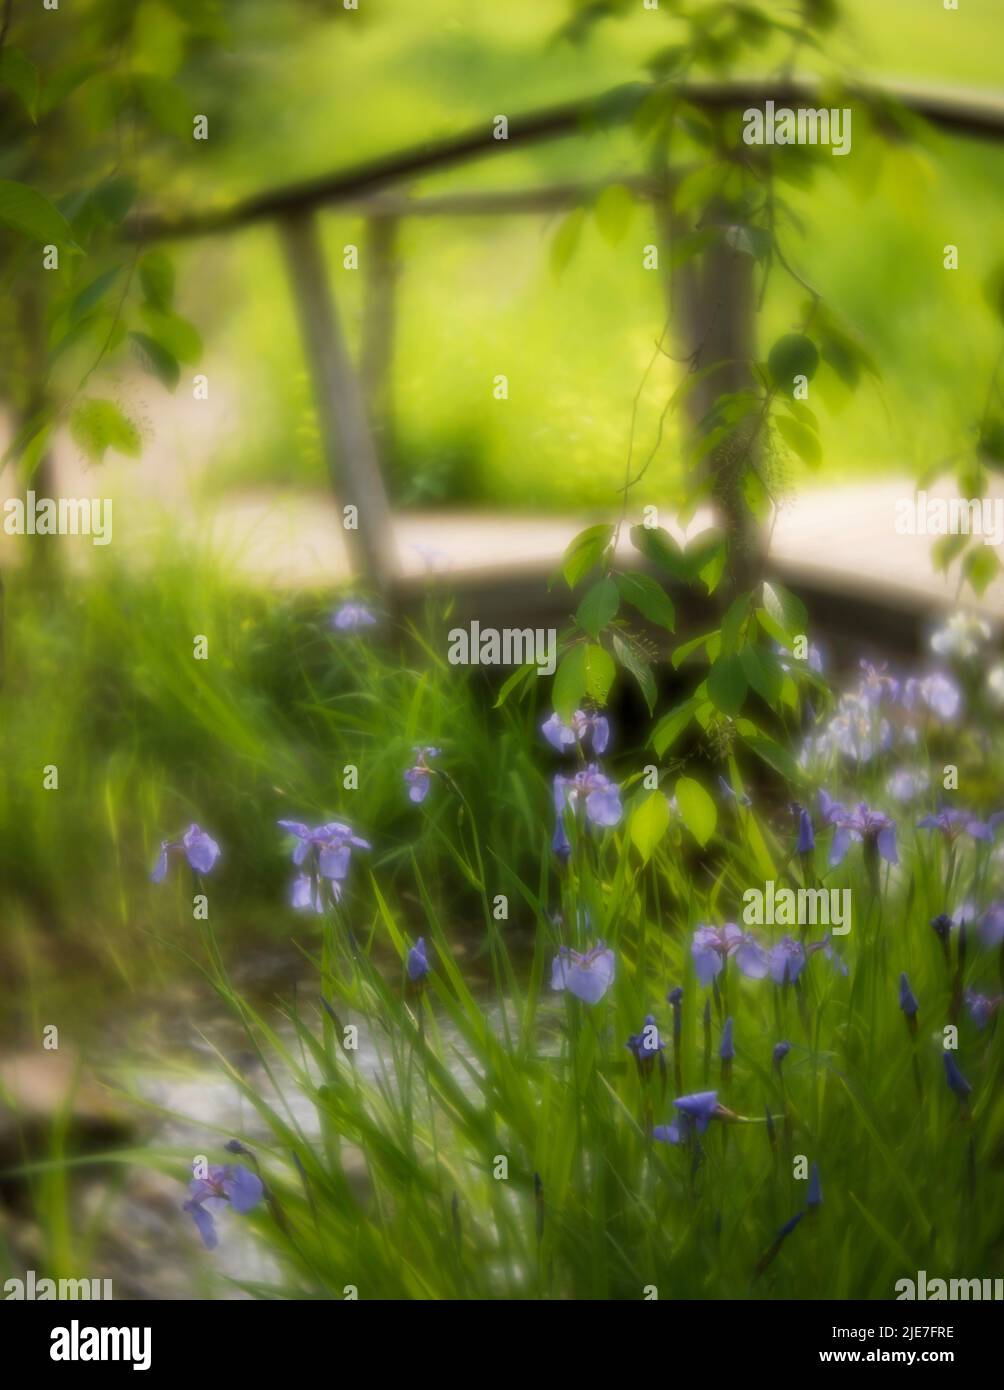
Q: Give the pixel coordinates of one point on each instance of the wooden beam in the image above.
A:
(959, 113)
(550, 123)
(348, 444)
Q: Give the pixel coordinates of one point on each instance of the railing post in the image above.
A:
(349, 450)
(376, 357)
(712, 299)
(726, 334)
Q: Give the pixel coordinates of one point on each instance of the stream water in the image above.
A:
(155, 1251)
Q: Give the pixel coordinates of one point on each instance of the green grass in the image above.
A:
(909, 1174)
(102, 683)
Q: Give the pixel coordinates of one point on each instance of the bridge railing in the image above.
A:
(711, 298)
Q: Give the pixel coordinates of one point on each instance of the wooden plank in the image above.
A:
(348, 443)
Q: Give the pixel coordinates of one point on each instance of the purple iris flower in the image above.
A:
(233, 1185)
(646, 1045)
(308, 890)
(806, 837)
(696, 1113)
(981, 1008)
(588, 976)
(813, 658)
(956, 1081)
(940, 695)
(323, 853)
(727, 1050)
(907, 784)
(874, 829)
(419, 777)
(856, 730)
(942, 927)
(563, 736)
(952, 823)
(200, 849)
(992, 925)
(560, 843)
(907, 998)
(712, 946)
(788, 1227)
(729, 791)
(326, 848)
(826, 946)
(351, 617)
(814, 1197)
(590, 788)
(876, 687)
(786, 961)
(418, 962)
(781, 1051)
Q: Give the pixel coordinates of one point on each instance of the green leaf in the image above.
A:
(648, 597)
(20, 74)
(566, 238)
(801, 412)
(727, 685)
(991, 441)
(773, 629)
(175, 334)
(26, 211)
(800, 440)
(763, 672)
(60, 82)
(756, 496)
(166, 105)
(981, 567)
(672, 725)
(158, 40)
(156, 278)
(732, 624)
(687, 649)
(585, 551)
(712, 568)
(947, 549)
(598, 607)
(98, 425)
(569, 683)
(791, 356)
(701, 185)
(638, 667)
(36, 425)
(91, 294)
(33, 452)
(648, 823)
(613, 211)
(698, 811)
(775, 756)
(786, 610)
(600, 673)
(157, 360)
(749, 241)
(113, 198)
(657, 545)
(684, 248)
